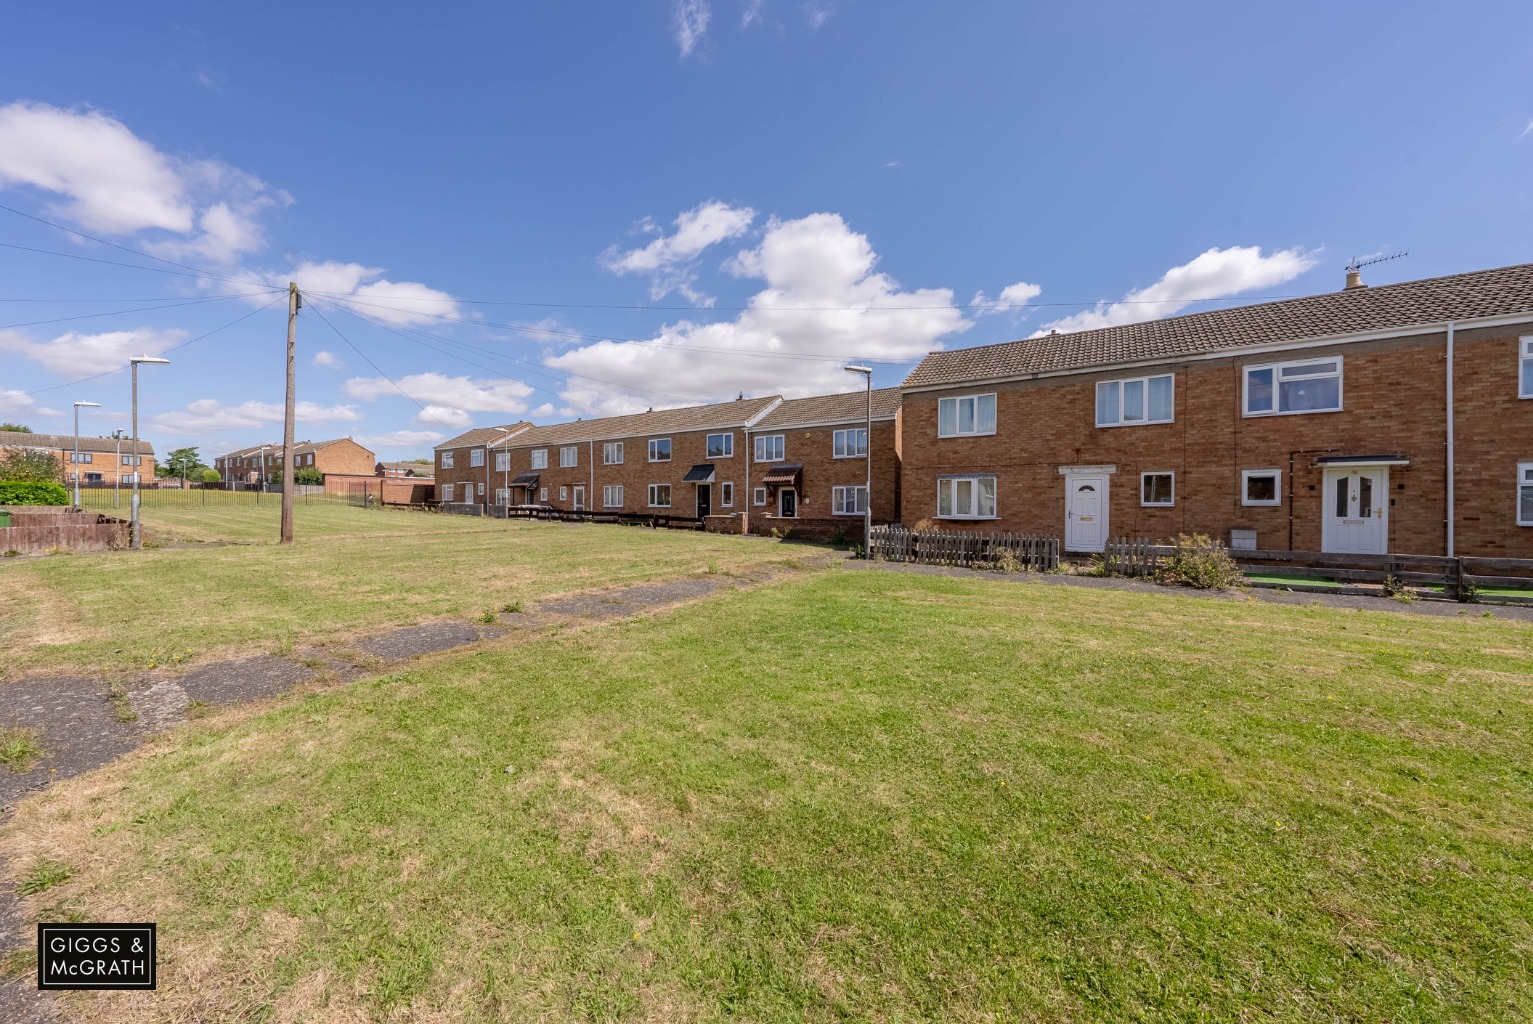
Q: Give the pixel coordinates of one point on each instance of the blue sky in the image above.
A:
(551, 210)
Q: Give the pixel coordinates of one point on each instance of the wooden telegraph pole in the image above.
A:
(293, 304)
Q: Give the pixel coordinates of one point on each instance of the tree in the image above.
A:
(23, 465)
(308, 475)
(16, 428)
(211, 476)
(184, 462)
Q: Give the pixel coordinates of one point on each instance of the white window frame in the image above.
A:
(838, 445)
(764, 448)
(728, 451)
(952, 482)
(539, 458)
(447, 460)
(543, 495)
(502, 462)
(564, 494)
(1277, 487)
(612, 453)
(609, 492)
(859, 500)
(654, 491)
(475, 458)
(447, 492)
(480, 488)
(78, 457)
(956, 402)
(1171, 503)
(1525, 366)
(1524, 480)
(758, 496)
(1277, 382)
(727, 494)
(654, 442)
(502, 495)
(1121, 384)
(569, 455)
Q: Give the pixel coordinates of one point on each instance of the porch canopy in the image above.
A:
(525, 480)
(785, 475)
(702, 473)
(1333, 461)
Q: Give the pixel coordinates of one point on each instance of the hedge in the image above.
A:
(17, 493)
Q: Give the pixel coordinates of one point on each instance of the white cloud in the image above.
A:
(689, 20)
(1216, 274)
(208, 414)
(75, 354)
(328, 359)
(116, 183)
(670, 260)
(364, 289)
(819, 282)
(817, 13)
(396, 439)
(448, 400)
(750, 12)
(1528, 130)
(546, 409)
(1013, 299)
(17, 403)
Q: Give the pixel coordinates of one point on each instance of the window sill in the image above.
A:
(968, 519)
(954, 437)
(1157, 504)
(1292, 412)
(850, 515)
(862, 456)
(1261, 504)
(1136, 423)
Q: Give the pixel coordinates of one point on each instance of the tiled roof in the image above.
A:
(1481, 293)
(481, 435)
(418, 468)
(658, 422)
(66, 442)
(853, 405)
(240, 453)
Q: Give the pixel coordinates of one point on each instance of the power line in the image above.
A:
(151, 298)
(122, 312)
(173, 348)
(172, 263)
(359, 352)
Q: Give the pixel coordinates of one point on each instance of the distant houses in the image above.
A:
(103, 461)
(262, 463)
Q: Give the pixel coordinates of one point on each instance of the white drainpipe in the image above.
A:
(1450, 440)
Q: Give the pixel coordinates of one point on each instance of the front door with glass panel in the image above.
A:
(580, 498)
(1356, 517)
(787, 503)
(1085, 513)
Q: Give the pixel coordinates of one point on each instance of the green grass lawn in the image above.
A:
(847, 796)
(351, 570)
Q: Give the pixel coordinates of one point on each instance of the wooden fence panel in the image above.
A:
(972, 548)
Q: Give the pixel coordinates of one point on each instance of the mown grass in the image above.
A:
(851, 796)
(19, 748)
(351, 570)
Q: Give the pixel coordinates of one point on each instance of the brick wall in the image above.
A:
(814, 449)
(464, 475)
(107, 464)
(346, 457)
(1393, 403)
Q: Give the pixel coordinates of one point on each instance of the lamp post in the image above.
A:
(89, 405)
(117, 472)
(135, 531)
(867, 513)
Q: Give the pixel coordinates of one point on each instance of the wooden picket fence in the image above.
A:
(976, 549)
(1133, 556)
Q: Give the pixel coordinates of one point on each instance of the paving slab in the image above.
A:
(244, 679)
(414, 641)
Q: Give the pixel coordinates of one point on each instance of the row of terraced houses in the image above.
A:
(1368, 420)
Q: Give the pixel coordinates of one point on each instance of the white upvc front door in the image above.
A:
(1086, 511)
(580, 497)
(1355, 516)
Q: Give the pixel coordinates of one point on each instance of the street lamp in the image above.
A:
(867, 513)
(88, 405)
(136, 532)
(117, 473)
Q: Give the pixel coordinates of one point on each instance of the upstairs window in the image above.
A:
(1526, 366)
(540, 458)
(850, 444)
(721, 446)
(660, 451)
(447, 460)
(502, 463)
(961, 417)
(612, 453)
(770, 448)
(476, 457)
(569, 455)
(1285, 389)
(1135, 400)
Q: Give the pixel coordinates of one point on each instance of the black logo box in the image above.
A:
(96, 956)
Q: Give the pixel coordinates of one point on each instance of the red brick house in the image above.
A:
(1369, 420)
(685, 462)
(260, 463)
(809, 462)
(463, 466)
(102, 460)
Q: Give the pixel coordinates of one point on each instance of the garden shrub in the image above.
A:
(1202, 562)
(32, 492)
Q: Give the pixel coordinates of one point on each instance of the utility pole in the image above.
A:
(293, 304)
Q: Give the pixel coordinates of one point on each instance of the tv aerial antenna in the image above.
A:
(1356, 265)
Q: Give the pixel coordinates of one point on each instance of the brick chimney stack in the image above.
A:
(1354, 280)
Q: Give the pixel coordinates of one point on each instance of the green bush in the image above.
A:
(1202, 562)
(210, 476)
(32, 493)
(24, 465)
